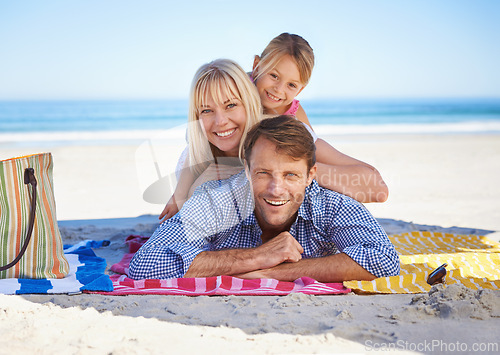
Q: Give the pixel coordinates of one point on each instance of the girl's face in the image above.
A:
(278, 87)
(223, 123)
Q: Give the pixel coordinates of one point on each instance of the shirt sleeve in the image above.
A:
(160, 259)
(176, 242)
(313, 134)
(215, 207)
(358, 234)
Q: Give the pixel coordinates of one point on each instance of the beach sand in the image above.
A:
(436, 182)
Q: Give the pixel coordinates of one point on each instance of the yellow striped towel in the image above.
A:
(473, 261)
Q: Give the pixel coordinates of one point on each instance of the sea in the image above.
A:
(113, 121)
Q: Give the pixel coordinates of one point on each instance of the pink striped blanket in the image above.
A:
(210, 286)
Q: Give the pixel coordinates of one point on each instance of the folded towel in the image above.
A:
(86, 273)
(209, 286)
(221, 285)
(473, 261)
(134, 243)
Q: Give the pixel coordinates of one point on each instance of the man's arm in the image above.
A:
(281, 249)
(334, 268)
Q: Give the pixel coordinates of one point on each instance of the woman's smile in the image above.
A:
(226, 134)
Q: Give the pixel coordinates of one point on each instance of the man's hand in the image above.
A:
(280, 249)
(333, 268)
(279, 258)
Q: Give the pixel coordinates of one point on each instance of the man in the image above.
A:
(273, 221)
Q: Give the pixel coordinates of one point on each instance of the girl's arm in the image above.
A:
(349, 176)
(341, 173)
(344, 174)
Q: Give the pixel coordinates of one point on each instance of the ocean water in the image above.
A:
(72, 121)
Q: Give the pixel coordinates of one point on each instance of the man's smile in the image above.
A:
(276, 202)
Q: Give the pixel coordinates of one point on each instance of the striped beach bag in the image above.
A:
(30, 241)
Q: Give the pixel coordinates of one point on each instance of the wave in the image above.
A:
(81, 116)
(177, 135)
(174, 135)
(412, 128)
(408, 107)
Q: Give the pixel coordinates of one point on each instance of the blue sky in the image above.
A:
(109, 49)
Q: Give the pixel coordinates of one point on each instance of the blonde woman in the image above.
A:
(224, 105)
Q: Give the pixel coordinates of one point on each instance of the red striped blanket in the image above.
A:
(210, 286)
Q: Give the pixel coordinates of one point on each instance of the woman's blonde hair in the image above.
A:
(216, 80)
(286, 44)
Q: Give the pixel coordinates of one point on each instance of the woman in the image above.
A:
(224, 104)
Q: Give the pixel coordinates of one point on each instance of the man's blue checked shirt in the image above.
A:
(220, 215)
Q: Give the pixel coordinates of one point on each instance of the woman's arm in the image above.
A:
(186, 180)
(349, 176)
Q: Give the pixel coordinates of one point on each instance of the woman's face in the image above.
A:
(223, 123)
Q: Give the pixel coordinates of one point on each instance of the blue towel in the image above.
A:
(86, 274)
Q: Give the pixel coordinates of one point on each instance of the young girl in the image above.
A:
(280, 73)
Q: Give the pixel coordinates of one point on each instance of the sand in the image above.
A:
(437, 182)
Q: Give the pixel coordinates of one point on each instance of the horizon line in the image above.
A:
(311, 99)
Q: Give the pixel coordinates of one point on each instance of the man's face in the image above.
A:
(278, 182)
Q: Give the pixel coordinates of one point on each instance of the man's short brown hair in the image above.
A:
(289, 136)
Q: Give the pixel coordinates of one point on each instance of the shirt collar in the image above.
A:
(305, 210)
(250, 220)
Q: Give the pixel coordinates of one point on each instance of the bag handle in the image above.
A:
(29, 178)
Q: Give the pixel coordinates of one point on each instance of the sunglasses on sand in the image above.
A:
(438, 275)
